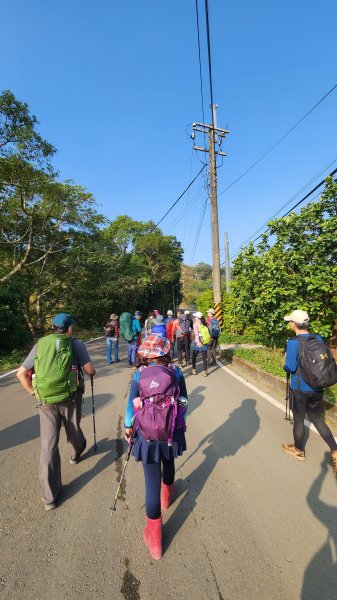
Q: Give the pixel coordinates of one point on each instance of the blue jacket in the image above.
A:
(134, 393)
(291, 365)
(136, 328)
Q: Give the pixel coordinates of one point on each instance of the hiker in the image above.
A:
(111, 333)
(59, 392)
(214, 330)
(304, 397)
(182, 329)
(156, 447)
(135, 342)
(201, 340)
(190, 319)
(169, 322)
(158, 325)
(148, 323)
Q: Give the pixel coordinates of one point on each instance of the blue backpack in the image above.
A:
(214, 328)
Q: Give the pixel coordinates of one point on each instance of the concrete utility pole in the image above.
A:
(215, 136)
(227, 263)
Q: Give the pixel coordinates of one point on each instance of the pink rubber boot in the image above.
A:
(153, 537)
(167, 492)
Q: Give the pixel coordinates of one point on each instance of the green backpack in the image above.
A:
(125, 326)
(54, 379)
(205, 335)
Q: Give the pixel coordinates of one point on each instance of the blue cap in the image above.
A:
(138, 313)
(63, 320)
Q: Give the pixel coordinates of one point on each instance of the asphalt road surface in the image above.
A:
(247, 521)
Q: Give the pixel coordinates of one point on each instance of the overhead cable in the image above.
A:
(278, 141)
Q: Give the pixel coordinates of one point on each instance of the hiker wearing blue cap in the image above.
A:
(136, 340)
(58, 361)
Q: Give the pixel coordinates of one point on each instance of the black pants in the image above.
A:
(211, 352)
(183, 348)
(204, 358)
(152, 473)
(309, 403)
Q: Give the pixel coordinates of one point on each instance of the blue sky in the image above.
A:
(115, 86)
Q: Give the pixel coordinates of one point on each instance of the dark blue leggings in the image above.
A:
(152, 473)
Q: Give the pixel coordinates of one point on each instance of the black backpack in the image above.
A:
(184, 325)
(316, 363)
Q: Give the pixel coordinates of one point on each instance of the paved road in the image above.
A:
(247, 522)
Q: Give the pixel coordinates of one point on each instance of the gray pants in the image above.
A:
(51, 418)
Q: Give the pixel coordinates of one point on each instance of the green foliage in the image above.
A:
(205, 301)
(268, 360)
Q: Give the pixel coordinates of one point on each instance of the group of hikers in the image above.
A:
(179, 331)
(155, 420)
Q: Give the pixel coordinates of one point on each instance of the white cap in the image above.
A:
(169, 312)
(198, 314)
(298, 316)
(186, 312)
(211, 310)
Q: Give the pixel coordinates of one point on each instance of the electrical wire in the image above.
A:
(288, 202)
(200, 71)
(290, 210)
(278, 141)
(176, 202)
(209, 58)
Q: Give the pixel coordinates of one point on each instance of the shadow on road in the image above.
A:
(241, 426)
(320, 578)
(106, 446)
(29, 429)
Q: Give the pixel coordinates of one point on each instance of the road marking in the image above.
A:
(270, 399)
(16, 370)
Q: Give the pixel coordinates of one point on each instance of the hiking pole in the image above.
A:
(93, 410)
(287, 418)
(113, 507)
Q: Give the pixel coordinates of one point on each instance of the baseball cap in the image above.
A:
(211, 310)
(138, 313)
(170, 312)
(186, 312)
(198, 314)
(298, 316)
(63, 320)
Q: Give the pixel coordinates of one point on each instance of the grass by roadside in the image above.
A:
(272, 361)
(15, 358)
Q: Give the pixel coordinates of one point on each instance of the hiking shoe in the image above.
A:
(334, 462)
(194, 372)
(295, 452)
(48, 506)
(76, 457)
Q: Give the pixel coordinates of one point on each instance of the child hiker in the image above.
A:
(155, 414)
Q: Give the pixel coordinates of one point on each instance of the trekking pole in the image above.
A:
(93, 410)
(113, 507)
(287, 418)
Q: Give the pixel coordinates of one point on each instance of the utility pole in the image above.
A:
(227, 263)
(215, 136)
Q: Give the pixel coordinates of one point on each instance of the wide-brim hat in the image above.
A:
(154, 345)
(113, 317)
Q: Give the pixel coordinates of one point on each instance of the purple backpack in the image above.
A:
(161, 413)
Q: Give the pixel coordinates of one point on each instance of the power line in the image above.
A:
(293, 207)
(288, 202)
(278, 141)
(201, 220)
(181, 195)
(200, 69)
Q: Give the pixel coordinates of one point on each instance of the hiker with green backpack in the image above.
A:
(58, 361)
(201, 340)
(131, 330)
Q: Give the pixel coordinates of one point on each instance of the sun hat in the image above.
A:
(298, 316)
(63, 320)
(211, 310)
(154, 345)
(198, 314)
(113, 317)
(170, 312)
